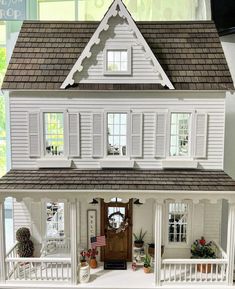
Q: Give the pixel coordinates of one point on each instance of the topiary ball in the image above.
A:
(25, 249)
(23, 234)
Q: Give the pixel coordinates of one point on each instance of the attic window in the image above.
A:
(117, 61)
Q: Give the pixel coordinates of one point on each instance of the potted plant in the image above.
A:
(92, 255)
(139, 239)
(147, 264)
(201, 249)
(25, 247)
(84, 271)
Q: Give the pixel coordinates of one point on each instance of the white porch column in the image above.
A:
(74, 241)
(158, 243)
(231, 243)
(2, 244)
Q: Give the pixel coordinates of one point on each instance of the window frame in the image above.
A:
(129, 60)
(188, 242)
(44, 218)
(191, 127)
(128, 132)
(42, 132)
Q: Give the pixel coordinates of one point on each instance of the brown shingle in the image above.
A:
(190, 53)
(117, 179)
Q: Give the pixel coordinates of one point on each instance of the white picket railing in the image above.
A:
(37, 269)
(196, 270)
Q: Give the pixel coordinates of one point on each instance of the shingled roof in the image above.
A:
(119, 179)
(190, 53)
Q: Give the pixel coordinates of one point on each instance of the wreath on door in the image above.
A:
(123, 226)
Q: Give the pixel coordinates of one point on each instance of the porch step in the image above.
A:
(115, 265)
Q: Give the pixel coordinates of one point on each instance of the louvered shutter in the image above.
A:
(136, 134)
(34, 133)
(97, 135)
(201, 135)
(160, 135)
(74, 134)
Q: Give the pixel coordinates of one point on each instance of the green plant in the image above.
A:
(25, 247)
(201, 249)
(147, 261)
(139, 238)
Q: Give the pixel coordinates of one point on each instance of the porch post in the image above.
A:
(2, 244)
(74, 238)
(158, 243)
(231, 243)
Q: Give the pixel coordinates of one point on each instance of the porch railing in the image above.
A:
(196, 270)
(37, 269)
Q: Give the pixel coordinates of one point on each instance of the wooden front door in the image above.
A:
(116, 215)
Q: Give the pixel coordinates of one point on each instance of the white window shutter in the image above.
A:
(97, 135)
(201, 120)
(74, 134)
(160, 136)
(136, 135)
(34, 134)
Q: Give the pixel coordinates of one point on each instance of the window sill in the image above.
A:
(117, 164)
(53, 163)
(179, 164)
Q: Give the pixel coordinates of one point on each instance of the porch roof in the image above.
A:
(117, 179)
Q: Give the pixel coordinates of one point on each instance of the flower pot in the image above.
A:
(147, 269)
(139, 244)
(84, 273)
(93, 263)
(204, 268)
(151, 250)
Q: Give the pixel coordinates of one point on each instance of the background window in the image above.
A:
(179, 142)
(55, 219)
(177, 222)
(54, 134)
(117, 61)
(117, 129)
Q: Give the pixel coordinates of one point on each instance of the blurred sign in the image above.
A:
(12, 9)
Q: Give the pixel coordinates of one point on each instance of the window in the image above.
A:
(117, 134)
(179, 140)
(177, 222)
(118, 61)
(54, 134)
(55, 219)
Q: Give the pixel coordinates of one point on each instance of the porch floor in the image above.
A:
(101, 278)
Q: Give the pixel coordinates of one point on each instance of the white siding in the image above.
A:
(21, 215)
(119, 33)
(146, 102)
(212, 221)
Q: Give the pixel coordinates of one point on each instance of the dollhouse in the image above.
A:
(118, 127)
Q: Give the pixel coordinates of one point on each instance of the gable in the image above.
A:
(120, 36)
(117, 28)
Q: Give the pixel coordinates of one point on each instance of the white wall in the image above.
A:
(87, 103)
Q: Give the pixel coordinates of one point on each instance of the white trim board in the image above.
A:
(117, 8)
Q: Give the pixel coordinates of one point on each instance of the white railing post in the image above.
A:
(158, 243)
(231, 243)
(74, 238)
(2, 244)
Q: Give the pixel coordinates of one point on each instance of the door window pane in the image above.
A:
(55, 219)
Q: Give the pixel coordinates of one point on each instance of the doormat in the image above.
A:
(115, 265)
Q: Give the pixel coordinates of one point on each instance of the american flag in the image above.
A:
(98, 241)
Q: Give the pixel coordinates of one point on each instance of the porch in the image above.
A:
(170, 270)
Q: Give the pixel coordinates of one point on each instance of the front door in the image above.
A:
(116, 225)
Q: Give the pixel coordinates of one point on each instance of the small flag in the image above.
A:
(98, 241)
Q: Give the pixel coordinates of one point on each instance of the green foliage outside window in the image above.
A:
(2, 115)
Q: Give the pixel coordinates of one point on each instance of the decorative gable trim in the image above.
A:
(117, 8)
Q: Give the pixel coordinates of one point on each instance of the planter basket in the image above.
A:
(204, 268)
